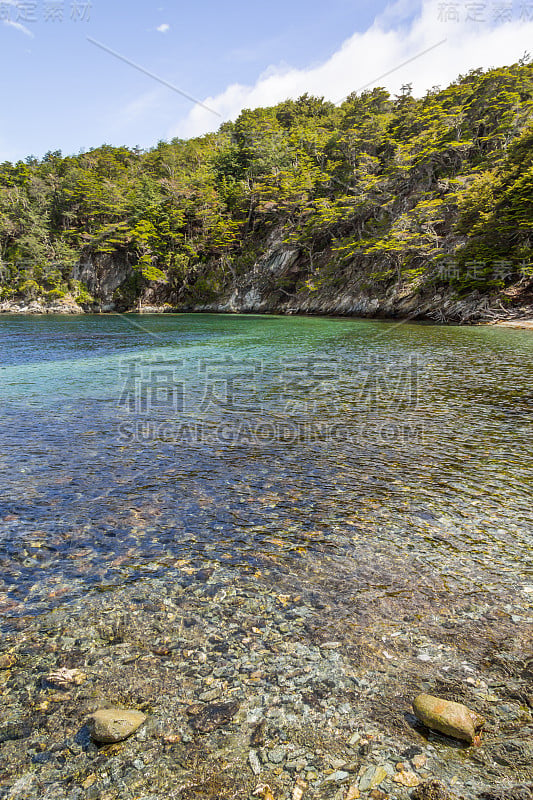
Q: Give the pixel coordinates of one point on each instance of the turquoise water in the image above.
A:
(132, 445)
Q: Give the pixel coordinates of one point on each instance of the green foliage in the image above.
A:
(391, 188)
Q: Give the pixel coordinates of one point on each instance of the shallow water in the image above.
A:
(136, 446)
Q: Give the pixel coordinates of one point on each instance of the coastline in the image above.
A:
(521, 319)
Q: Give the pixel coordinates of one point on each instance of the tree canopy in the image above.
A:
(433, 189)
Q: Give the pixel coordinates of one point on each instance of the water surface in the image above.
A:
(134, 446)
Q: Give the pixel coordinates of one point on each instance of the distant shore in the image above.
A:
(523, 319)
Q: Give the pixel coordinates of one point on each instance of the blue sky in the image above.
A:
(60, 91)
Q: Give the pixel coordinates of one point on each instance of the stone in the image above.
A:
(432, 790)
(372, 777)
(114, 724)
(255, 764)
(299, 789)
(277, 754)
(419, 761)
(337, 777)
(66, 677)
(353, 793)
(449, 718)
(213, 716)
(406, 778)
(212, 694)
(264, 791)
(6, 661)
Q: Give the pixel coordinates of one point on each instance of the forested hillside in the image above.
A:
(433, 191)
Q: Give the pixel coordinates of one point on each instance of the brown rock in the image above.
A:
(452, 719)
(432, 790)
(7, 661)
(214, 716)
(264, 792)
(114, 724)
(524, 792)
(406, 778)
(353, 793)
(299, 789)
(419, 761)
(66, 677)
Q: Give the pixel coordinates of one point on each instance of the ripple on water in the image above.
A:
(423, 473)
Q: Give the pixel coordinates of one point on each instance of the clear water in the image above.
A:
(396, 450)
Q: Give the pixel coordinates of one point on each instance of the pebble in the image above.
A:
(6, 661)
(255, 764)
(207, 697)
(406, 778)
(337, 777)
(299, 789)
(372, 777)
(264, 791)
(66, 677)
(114, 724)
(353, 793)
(277, 754)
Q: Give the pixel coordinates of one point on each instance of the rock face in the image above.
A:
(114, 724)
(65, 306)
(102, 273)
(444, 716)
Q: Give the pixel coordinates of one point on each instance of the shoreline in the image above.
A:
(524, 322)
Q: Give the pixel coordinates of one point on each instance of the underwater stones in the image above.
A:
(449, 718)
(6, 661)
(114, 724)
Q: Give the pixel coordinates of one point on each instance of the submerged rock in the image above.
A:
(6, 661)
(432, 790)
(213, 716)
(255, 764)
(114, 724)
(445, 716)
(513, 793)
(65, 677)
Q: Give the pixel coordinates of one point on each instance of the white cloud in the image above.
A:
(402, 33)
(164, 28)
(18, 26)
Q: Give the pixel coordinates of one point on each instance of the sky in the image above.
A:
(79, 74)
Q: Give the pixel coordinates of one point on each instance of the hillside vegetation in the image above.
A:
(435, 190)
